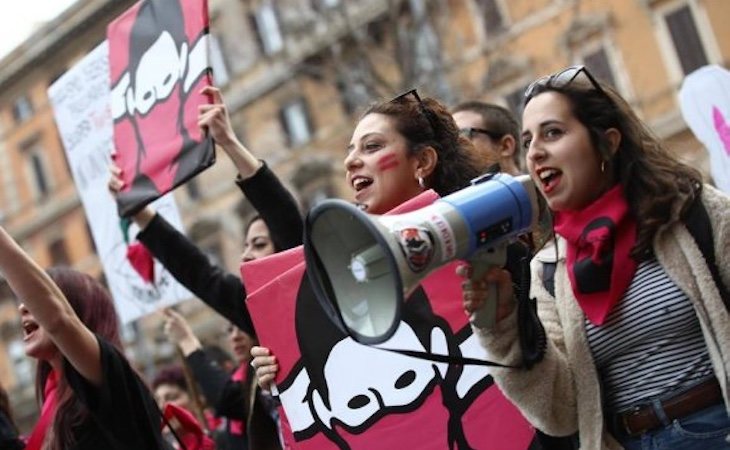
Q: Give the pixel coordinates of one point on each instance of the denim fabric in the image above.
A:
(708, 429)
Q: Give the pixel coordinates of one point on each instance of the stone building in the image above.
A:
(295, 73)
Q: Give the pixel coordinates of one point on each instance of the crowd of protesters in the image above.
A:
(638, 334)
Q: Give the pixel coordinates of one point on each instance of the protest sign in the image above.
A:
(80, 101)
(337, 393)
(705, 102)
(158, 59)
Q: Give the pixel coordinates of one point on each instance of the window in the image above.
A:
(37, 167)
(59, 253)
(218, 61)
(267, 29)
(599, 65)
(22, 109)
(493, 18)
(327, 4)
(193, 188)
(687, 43)
(296, 123)
(514, 100)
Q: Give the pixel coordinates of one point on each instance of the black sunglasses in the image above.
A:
(469, 133)
(421, 106)
(562, 79)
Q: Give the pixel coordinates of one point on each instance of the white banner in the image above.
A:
(705, 102)
(80, 101)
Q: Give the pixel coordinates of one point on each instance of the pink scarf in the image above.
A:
(600, 238)
(48, 411)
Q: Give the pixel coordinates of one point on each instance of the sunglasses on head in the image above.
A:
(421, 106)
(470, 132)
(562, 79)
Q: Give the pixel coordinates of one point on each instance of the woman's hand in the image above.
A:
(475, 293)
(115, 186)
(214, 120)
(265, 366)
(178, 331)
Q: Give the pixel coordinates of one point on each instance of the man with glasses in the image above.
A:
(493, 130)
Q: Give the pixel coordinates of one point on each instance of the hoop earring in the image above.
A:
(603, 166)
(421, 182)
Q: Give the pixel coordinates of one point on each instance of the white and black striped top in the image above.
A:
(651, 343)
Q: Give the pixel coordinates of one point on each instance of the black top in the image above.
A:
(123, 414)
(227, 397)
(219, 289)
(8, 435)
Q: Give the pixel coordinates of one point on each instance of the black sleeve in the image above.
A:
(276, 206)
(222, 291)
(8, 436)
(122, 405)
(226, 396)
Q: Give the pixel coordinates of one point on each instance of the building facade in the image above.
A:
(295, 74)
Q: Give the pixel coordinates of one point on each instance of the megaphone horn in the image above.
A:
(362, 265)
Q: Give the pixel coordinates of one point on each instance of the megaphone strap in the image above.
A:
(449, 359)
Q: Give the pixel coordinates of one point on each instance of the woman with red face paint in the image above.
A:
(633, 293)
(91, 397)
(397, 150)
(394, 155)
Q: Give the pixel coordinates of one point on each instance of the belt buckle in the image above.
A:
(625, 422)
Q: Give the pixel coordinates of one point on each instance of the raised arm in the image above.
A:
(50, 309)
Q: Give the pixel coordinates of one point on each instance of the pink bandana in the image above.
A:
(600, 238)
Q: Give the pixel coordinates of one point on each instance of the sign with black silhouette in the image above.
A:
(80, 101)
(158, 58)
(339, 394)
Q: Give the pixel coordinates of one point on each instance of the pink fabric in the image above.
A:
(48, 411)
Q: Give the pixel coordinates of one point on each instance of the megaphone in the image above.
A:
(362, 266)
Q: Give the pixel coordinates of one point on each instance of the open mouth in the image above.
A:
(360, 183)
(549, 178)
(29, 328)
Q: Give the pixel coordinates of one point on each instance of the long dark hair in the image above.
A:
(429, 123)
(653, 179)
(93, 304)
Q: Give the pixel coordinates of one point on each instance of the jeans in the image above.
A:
(707, 429)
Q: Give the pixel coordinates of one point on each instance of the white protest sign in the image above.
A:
(705, 102)
(80, 101)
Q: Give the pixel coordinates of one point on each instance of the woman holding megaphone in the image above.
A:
(398, 149)
(633, 294)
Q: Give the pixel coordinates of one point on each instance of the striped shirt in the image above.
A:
(651, 343)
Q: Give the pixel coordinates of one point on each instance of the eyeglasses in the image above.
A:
(562, 79)
(469, 133)
(421, 106)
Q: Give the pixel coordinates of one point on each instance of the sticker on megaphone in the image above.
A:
(362, 266)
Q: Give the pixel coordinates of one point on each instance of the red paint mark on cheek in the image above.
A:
(387, 162)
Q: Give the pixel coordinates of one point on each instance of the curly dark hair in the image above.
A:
(653, 179)
(428, 123)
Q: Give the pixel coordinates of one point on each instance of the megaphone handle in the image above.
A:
(481, 262)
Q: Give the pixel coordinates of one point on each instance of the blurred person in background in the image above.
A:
(494, 132)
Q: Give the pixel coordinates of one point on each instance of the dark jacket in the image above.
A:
(225, 293)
